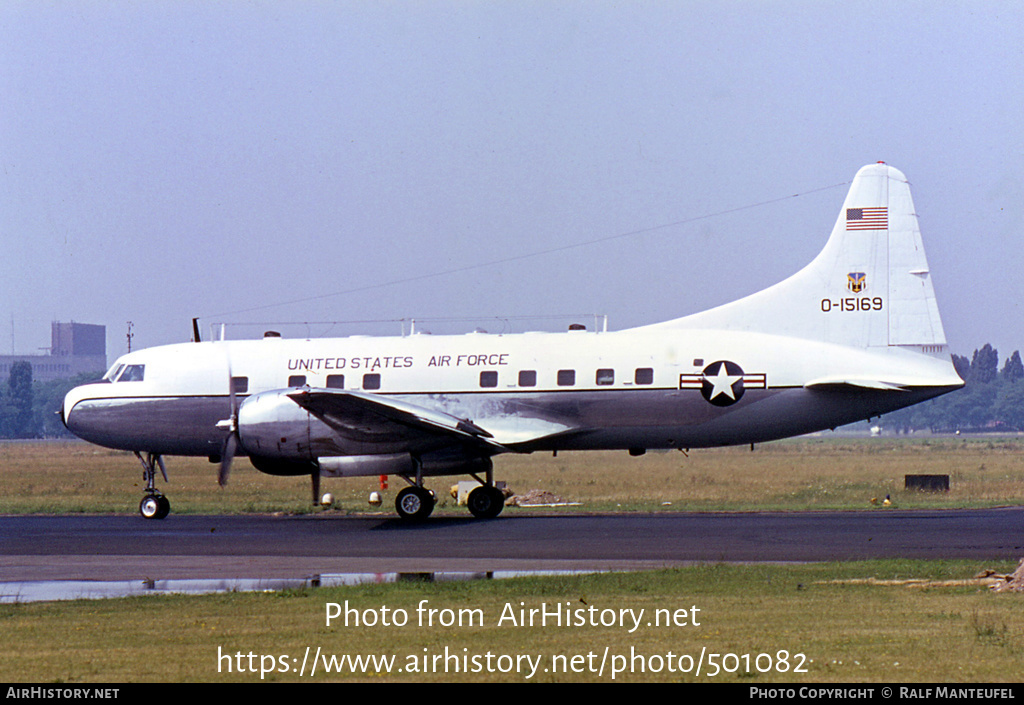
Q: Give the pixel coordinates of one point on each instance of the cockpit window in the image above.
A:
(132, 373)
(113, 372)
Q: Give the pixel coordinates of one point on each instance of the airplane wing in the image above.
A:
(359, 414)
(351, 413)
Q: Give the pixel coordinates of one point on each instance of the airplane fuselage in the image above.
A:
(633, 389)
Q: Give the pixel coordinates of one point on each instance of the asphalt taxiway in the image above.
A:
(257, 546)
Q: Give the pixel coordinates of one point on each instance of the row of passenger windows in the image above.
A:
(567, 378)
(370, 381)
(488, 379)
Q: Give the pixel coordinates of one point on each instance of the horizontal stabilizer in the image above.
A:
(875, 384)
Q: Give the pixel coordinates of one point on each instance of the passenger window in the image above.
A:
(371, 381)
(132, 373)
(297, 380)
(528, 378)
(644, 375)
(566, 378)
(605, 377)
(335, 381)
(489, 379)
(240, 385)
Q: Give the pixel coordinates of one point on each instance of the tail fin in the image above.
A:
(869, 287)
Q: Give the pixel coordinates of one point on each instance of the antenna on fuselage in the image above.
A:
(195, 331)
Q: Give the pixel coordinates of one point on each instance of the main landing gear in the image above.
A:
(154, 505)
(415, 502)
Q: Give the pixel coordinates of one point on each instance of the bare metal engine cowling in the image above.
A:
(282, 438)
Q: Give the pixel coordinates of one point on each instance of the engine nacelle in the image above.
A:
(282, 468)
(282, 438)
(367, 465)
(402, 464)
(272, 426)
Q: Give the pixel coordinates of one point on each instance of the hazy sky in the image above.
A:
(164, 160)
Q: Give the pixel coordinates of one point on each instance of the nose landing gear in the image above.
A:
(154, 504)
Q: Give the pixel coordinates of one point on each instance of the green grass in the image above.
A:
(802, 474)
(836, 627)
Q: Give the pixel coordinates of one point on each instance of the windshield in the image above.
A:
(113, 372)
(121, 372)
(132, 373)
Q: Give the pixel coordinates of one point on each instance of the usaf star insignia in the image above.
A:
(722, 382)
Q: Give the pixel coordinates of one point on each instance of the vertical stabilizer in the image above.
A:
(869, 287)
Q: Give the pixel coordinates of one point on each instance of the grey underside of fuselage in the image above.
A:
(593, 420)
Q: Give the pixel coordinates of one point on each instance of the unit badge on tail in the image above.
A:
(856, 282)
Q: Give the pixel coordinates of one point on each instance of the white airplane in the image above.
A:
(853, 335)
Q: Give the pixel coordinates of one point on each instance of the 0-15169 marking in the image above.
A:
(852, 303)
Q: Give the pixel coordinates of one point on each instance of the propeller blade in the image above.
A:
(231, 396)
(231, 441)
(230, 446)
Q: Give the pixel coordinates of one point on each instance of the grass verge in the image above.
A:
(814, 623)
(793, 475)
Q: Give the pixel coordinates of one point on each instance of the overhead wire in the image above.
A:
(520, 257)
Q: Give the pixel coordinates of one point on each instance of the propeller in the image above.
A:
(231, 441)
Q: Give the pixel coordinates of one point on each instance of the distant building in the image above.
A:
(75, 348)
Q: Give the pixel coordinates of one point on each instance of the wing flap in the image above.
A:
(511, 431)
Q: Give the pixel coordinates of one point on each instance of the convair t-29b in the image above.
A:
(853, 335)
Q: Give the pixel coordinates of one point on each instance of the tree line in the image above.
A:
(992, 400)
(29, 409)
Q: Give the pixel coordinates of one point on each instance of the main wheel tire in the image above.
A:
(414, 503)
(485, 502)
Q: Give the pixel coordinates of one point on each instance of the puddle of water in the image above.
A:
(50, 590)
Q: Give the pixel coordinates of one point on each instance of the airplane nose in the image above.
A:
(69, 401)
(73, 414)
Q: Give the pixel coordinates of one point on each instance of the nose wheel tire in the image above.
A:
(154, 506)
(485, 502)
(414, 503)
